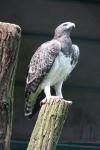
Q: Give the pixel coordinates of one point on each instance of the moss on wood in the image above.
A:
(49, 125)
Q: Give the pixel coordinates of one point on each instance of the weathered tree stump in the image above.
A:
(9, 45)
(49, 124)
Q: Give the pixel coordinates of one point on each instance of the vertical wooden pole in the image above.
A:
(49, 124)
(9, 45)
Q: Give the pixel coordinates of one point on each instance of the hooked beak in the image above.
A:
(70, 25)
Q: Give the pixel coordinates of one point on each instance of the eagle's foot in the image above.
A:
(50, 100)
(69, 102)
(53, 99)
(43, 101)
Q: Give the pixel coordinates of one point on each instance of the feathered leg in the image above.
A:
(58, 89)
(48, 98)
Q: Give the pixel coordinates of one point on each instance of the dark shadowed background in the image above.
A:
(38, 19)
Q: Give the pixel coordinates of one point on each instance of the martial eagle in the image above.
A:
(51, 64)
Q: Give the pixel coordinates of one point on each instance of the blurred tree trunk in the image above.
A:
(49, 124)
(9, 45)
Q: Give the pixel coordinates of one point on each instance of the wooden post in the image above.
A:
(49, 125)
(9, 44)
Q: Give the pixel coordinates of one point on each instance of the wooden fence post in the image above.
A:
(9, 45)
(49, 125)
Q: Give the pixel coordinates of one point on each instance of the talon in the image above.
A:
(69, 102)
(52, 99)
(43, 101)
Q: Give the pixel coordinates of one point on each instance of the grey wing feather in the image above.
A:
(75, 55)
(41, 63)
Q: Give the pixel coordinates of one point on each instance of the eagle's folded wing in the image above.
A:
(41, 63)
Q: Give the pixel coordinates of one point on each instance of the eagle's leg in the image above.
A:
(49, 99)
(47, 93)
(58, 90)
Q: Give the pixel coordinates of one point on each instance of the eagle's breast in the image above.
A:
(59, 71)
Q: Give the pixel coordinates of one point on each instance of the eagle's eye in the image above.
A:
(65, 24)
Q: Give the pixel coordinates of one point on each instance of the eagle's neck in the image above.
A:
(66, 44)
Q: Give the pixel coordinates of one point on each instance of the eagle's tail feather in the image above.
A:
(30, 100)
(32, 104)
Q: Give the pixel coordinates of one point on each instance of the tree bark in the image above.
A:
(49, 124)
(9, 45)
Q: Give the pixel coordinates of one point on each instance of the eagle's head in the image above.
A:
(64, 29)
